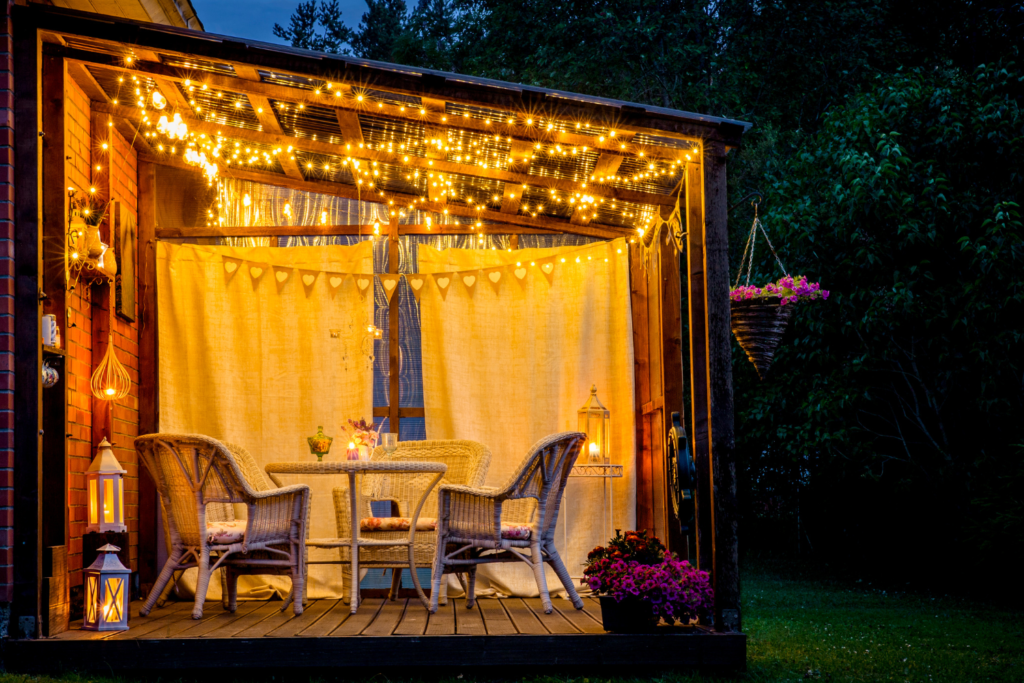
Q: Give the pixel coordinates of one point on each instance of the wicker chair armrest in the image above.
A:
(470, 512)
(278, 515)
(488, 492)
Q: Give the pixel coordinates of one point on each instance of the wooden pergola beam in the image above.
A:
(435, 113)
(402, 201)
(330, 230)
(423, 164)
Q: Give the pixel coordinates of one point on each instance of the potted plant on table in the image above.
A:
(638, 583)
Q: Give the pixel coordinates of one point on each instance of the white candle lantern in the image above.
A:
(595, 422)
(106, 592)
(105, 485)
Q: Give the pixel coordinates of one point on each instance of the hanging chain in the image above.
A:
(747, 262)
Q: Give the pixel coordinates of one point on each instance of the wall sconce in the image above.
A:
(105, 486)
(106, 592)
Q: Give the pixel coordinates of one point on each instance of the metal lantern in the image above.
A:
(106, 592)
(105, 482)
(595, 422)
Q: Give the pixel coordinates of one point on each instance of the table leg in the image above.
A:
(353, 500)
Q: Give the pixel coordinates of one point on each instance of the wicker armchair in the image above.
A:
(467, 463)
(482, 525)
(198, 479)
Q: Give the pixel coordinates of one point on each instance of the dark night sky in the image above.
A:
(255, 18)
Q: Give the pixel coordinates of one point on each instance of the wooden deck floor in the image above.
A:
(382, 635)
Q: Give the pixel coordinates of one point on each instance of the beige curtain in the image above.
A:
(508, 367)
(263, 362)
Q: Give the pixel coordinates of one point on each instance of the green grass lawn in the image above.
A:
(814, 630)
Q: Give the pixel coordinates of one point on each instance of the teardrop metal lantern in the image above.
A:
(110, 381)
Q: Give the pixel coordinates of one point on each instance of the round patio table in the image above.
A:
(355, 468)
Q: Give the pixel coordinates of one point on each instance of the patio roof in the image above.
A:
(482, 152)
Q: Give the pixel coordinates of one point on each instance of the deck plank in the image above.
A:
(555, 623)
(414, 622)
(592, 608)
(264, 611)
(496, 619)
(207, 625)
(310, 615)
(157, 617)
(75, 631)
(338, 613)
(523, 617)
(183, 621)
(387, 619)
(442, 622)
(355, 624)
(468, 622)
(578, 618)
(275, 620)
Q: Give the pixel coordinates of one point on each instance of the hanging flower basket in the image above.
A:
(760, 314)
(759, 325)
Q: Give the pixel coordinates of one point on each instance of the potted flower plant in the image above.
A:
(760, 315)
(638, 582)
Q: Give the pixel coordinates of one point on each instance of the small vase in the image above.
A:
(632, 615)
(364, 452)
(319, 444)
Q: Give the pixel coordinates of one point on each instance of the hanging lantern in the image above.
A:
(595, 422)
(110, 381)
(106, 592)
(105, 483)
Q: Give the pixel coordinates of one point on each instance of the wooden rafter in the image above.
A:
(400, 160)
(435, 111)
(326, 230)
(402, 201)
(265, 115)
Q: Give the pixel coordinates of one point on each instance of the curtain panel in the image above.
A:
(508, 365)
(261, 360)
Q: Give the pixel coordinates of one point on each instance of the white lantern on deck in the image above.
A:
(106, 592)
(105, 486)
(595, 422)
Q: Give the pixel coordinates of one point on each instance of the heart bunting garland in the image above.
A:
(231, 266)
(281, 275)
(494, 275)
(308, 278)
(416, 283)
(469, 279)
(363, 283)
(547, 266)
(335, 280)
(256, 271)
(444, 283)
(390, 285)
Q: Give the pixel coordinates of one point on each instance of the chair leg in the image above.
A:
(231, 588)
(443, 598)
(203, 583)
(161, 582)
(542, 581)
(471, 589)
(298, 589)
(563, 576)
(396, 583)
(436, 575)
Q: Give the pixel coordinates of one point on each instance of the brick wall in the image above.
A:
(6, 305)
(116, 179)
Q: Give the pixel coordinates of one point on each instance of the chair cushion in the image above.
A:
(396, 524)
(225, 533)
(515, 532)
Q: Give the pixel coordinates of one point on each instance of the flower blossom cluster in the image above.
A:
(789, 289)
(637, 567)
(362, 433)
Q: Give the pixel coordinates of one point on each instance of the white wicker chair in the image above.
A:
(482, 525)
(198, 479)
(467, 463)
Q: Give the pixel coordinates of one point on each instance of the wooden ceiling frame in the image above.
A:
(620, 143)
(425, 164)
(546, 224)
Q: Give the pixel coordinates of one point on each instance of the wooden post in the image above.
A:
(698, 364)
(26, 609)
(54, 491)
(721, 428)
(149, 397)
(672, 367)
(393, 351)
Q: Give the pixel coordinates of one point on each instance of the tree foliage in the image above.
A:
(887, 141)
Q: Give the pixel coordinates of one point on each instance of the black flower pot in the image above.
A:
(629, 616)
